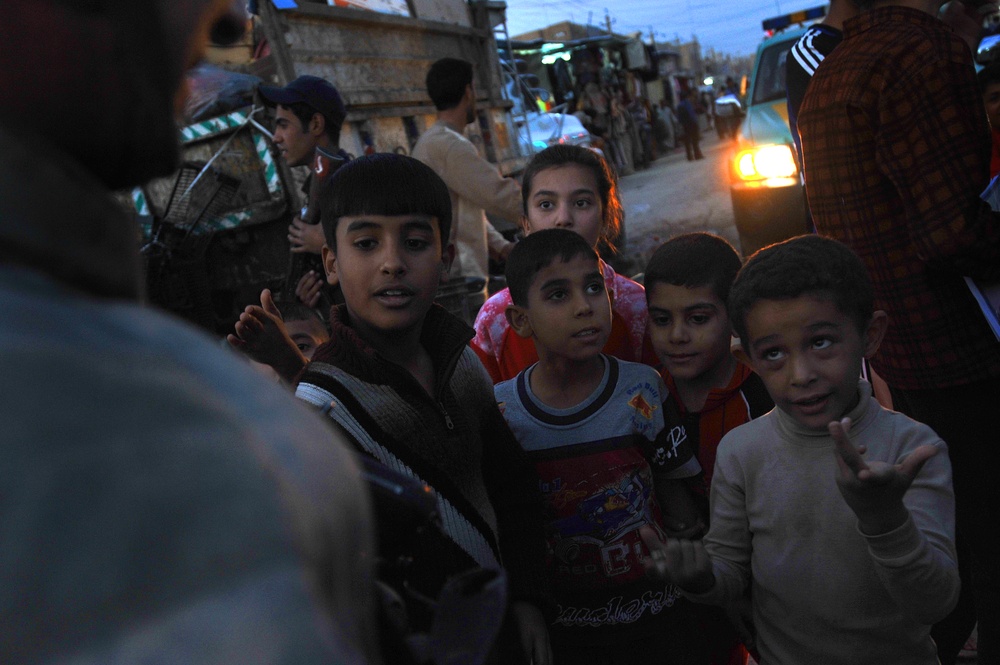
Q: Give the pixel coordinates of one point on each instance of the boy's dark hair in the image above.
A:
(304, 112)
(694, 260)
(607, 182)
(446, 81)
(384, 184)
(294, 310)
(805, 265)
(537, 251)
(988, 75)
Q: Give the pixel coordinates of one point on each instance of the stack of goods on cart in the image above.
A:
(214, 231)
(176, 272)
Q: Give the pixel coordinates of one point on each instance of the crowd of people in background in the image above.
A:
(634, 132)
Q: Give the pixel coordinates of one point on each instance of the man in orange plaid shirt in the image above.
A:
(897, 147)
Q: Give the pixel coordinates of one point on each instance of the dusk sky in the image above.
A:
(728, 26)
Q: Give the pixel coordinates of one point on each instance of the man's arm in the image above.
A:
(497, 243)
(476, 180)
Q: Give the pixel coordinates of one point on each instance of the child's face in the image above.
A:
(307, 335)
(991, 96)
(568, 312)
(566, 197)
(809, 354)
(690, 331)
(389, 268)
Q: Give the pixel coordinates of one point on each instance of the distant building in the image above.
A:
(564, 32)
(690, 57)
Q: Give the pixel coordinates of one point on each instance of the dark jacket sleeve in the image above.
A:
(512, 485)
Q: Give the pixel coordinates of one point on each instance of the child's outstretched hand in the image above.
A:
(874, 491)
(261, 334)
(682, 562)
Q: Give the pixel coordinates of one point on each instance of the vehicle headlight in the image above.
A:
(773, 164)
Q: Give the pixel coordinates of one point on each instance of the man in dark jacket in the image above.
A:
(687, 114)
(161, 503)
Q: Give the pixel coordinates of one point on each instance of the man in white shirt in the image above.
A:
(476, 185)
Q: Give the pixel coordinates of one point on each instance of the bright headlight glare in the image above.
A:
(745, 166)
(765, 162)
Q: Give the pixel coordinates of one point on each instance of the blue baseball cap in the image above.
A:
(314, 91)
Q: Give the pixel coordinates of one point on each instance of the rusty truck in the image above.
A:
(215, 232)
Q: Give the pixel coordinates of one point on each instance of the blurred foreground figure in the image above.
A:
(160, 502)
(896, 151)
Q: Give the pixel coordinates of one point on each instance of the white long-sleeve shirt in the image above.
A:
(822, 591)
(476, 187)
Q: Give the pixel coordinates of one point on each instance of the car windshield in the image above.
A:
(769, 84)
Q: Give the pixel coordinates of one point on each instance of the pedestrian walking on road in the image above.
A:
(665, 120)
(688, 117)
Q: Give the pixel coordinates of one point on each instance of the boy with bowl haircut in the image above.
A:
(594, 427)
(399, 379)
(687, 283)
(839, 513)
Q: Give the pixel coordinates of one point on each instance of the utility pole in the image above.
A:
(607, 19)
(652, 38)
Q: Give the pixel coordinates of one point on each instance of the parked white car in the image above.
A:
(537, 130)
(545, 129)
